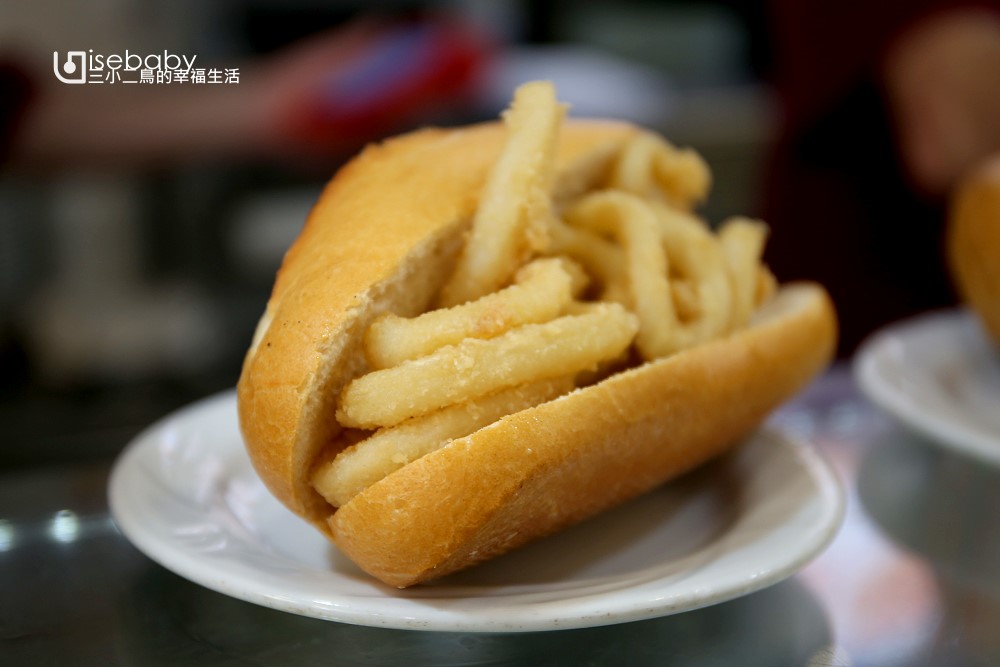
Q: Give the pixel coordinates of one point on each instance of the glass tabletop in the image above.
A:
(912, 578)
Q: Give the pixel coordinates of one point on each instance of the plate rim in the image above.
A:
(829, 492)
(939, 430)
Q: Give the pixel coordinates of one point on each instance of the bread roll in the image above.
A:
(384, 237)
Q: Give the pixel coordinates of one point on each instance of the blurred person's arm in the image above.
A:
(841, 194)
(942, 78)
(325, 95)
(91, 124)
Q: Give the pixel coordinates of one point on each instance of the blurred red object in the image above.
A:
(388, 77)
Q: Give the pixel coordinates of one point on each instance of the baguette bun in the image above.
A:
(384, 237)
(973, 242)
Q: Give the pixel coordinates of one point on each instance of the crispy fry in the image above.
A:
(389, 449)
(579, 278)
(663, 279)
(685, 299)
(767, 285)
(660, 245)
(515, 207)
(542, 291)
(742, 242)
(603, 258)
(633, 222)
(650, 166)
(476, 367)
(694, 253)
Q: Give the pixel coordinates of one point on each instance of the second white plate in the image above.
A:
(185, 493)
(940, 376)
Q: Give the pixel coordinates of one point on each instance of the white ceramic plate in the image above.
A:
(184, 492)
(940, 376)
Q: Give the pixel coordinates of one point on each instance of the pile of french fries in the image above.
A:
(545, 295)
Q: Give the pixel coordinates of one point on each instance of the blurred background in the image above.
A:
(141, 225)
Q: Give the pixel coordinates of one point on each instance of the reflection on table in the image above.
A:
(913, 577)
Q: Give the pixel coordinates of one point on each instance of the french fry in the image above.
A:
(767, 285)
(651, 166)
(389, 449)
(603, 258)
(475, 367)
(696, 254)
(631, 220)
(543, 289)
(742, 243)
(685, 299)
(662, 245)
(512, 218)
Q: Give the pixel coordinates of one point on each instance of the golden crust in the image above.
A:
(973, 241)
(538, 470)
(383, 236)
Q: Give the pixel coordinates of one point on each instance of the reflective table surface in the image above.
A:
(912, 578)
